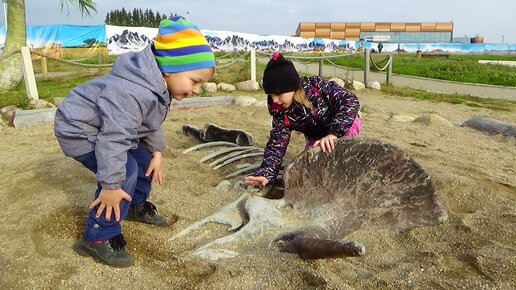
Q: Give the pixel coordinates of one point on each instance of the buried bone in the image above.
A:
(209, 144)
(364, 184)
(225, 151)
(243, 170)
(229, 155)
(233, 155)
(213, 132)
(238, 157)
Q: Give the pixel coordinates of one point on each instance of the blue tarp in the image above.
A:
(64, 35)
(75, 35)
(83, 36)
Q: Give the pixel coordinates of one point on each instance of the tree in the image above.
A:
(136, 18)
(16, 37)
(90, 42)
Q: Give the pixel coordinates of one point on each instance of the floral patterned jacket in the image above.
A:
(334, 110)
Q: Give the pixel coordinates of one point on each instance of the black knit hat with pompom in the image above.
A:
(280, 76)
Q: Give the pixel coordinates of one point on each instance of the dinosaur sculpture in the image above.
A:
(364, 184)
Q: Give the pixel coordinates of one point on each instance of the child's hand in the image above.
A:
(326, 143)
(256, 180)
(109, 200)
(155, 168)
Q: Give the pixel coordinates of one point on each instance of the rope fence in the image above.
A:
(368, 59)
(223, 61)
(388, 59)
(238, 58)
(71, 61)
(330, 60)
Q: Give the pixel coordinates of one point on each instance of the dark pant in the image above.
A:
(136, 184)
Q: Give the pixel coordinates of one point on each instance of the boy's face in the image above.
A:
(184, 84)
(284, 99)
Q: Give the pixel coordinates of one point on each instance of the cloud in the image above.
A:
(491, 19)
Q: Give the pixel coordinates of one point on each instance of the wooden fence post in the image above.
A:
(28, 74)
(367, 55)
(44, 67)
(321, 65)
(389, 70)
(253, 64)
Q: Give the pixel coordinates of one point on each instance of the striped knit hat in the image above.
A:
(181, 46)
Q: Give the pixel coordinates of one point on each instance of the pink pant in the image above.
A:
(354, 130)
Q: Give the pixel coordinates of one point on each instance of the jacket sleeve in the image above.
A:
(120, 115)
(344, 105)
(154, 141)
(274, 150)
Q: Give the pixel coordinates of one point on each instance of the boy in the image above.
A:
(112, 126)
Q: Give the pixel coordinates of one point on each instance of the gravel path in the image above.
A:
(432, 85)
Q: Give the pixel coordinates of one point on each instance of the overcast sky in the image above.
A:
(491, 19)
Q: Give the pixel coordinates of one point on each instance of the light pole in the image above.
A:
(187, 13)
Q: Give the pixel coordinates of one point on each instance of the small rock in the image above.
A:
(8, 112)
(433, 119)
(58, 100)
(40, 104)
(224, 185)
(367, 109)
(248, 85)
(374, 85)
(357, 86)
(239, 185)
(490, 126)
(339, 81)
(210, 87)
(226, 87)
(245, 101)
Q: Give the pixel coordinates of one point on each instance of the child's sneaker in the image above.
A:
(110, 252)
(146, 213)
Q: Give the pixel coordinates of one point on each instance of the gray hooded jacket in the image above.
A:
(113, 113)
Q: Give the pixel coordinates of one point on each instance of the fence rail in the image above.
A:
(223, 61)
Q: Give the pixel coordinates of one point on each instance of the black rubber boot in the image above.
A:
(146, 213)
(110, 252)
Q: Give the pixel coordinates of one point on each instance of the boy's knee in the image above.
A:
(131, 173)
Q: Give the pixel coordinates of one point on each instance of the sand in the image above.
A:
(45, 196)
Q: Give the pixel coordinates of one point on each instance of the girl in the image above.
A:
(322, 110)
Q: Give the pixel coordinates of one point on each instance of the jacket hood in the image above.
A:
(142, 69)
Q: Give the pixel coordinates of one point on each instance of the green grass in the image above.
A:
(458, 67)
(471, 101)
(238, 72)
(50, 88)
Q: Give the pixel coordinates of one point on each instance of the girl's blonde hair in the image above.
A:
(300, 97)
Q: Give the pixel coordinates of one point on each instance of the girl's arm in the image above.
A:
(275, 150)
(343, 103)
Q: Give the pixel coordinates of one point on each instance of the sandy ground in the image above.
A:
(45, 196)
